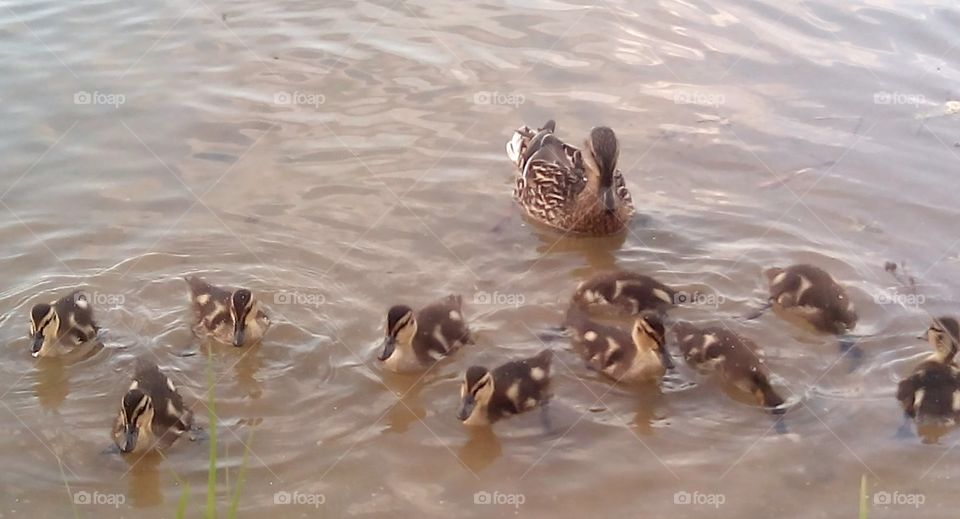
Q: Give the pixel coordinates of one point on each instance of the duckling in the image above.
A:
(944, 335)
(229, 316)
(152, 414)
(632, 358)
(628, 292)
(513, 388)
(812, 295)
(931, 394)
(416, 341)
(61, 324)
(560, 186)
(733, 356)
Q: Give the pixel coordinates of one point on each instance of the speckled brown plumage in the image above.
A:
(556, 186)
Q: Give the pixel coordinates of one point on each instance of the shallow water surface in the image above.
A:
(340, 157)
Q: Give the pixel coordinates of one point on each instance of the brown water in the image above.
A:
(349, 156)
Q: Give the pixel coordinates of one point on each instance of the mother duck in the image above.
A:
(571, 190)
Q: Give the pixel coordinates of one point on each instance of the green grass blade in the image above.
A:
(235, 502)
(184, 499)
(212, 419)
(863, 496)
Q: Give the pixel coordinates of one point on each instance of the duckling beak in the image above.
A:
(466, 408)
(238, 335)
(129, 439)
(666, 359)
(389, 344)
(37, 344)
(609, 199)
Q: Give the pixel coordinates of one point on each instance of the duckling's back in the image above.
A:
(932, 394)
(521, 385)
(629, 292)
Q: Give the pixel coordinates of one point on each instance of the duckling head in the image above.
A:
(241, 307)
(944, 336)
(475, 395)
(603, 152)
(136, 416)
(401, 327)
(44, 326)
(649, 332)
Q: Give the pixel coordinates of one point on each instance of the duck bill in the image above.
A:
(238, 337)
(666, 359)
(37, 344)
(239, 333)
(389, 344)
(466, 408)
(609, 199)
(129, 439)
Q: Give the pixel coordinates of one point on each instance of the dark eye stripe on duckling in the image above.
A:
(949, 326)
(399, 322)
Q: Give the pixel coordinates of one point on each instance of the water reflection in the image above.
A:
(246, 369)
(408, 409)
(598, 253)
(51, 384)
(144, 479)
(482, 448)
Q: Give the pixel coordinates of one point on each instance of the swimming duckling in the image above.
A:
(944, 335)
(812, 295)
(733, 356)
(632, 358)
(560, 186)
(931, 394)
(152, 414)
(628, 292)
(513, 388)
(61, 324)
(415, 341)
(229, 316)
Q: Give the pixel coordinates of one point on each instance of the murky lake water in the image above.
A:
(340, 157)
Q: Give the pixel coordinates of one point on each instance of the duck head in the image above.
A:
(649, 331)
(401, 327)
(475, 395)
(602, 154)
(944, 335)
(242, 307)
(44, 327)
(136, 416)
